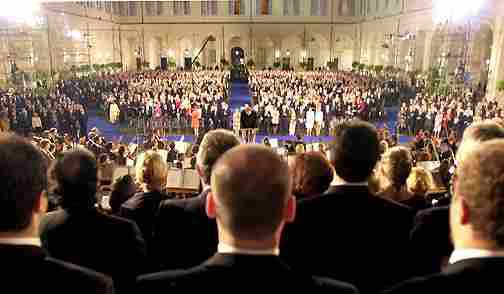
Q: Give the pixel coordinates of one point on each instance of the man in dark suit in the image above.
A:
(251, 202)
(248, 122)
(183, 234)
(25, 267)
(348, 233)
(477, 227)
(80, 234)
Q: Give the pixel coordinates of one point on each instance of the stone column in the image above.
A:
(497, 59)
(427, 56)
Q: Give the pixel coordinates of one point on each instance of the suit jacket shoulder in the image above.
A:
(466, 276)
(226, 272)
(31, 265)
(97, 282)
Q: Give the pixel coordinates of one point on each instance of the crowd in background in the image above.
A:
(312, 103)
(172, 102)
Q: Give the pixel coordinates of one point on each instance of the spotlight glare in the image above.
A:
(21, 10)
(455, 10)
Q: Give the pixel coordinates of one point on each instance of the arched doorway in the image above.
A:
(237, 55)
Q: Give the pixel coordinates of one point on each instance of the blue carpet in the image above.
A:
(110, 131)
(240, 95)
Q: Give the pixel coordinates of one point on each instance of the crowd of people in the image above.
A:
(352, 218)
(170, 102)
(64, 109)
(439, 115)
(312, 103)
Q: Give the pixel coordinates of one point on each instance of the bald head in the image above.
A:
(251, 186)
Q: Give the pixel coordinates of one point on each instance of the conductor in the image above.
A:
(248, 124)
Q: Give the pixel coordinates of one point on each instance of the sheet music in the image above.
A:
(119, 172)
(191, 179)
(174, 178)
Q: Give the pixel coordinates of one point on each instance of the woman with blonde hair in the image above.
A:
(151, 174)
(394, 170)
(419, 183)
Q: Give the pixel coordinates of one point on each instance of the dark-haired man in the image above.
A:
(80, 234)
(24, 265)
(251, 202)
(350, 234)
(476, 225)
(183, 234)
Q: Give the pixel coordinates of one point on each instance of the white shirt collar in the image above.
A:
(229, 249)
(337, 181)
(469, 253)
(21, 241)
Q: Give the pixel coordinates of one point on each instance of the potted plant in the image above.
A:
(361, 66)
(276, 64)
(378, 69)
(355, 65)
(224, 62)
(250, 63)
(500, 85)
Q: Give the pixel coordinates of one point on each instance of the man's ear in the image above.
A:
(210, 206)
(42, 203)
(464, 212)
(290, 210)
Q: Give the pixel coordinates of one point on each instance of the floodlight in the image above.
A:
(455, 10)
(21, 10)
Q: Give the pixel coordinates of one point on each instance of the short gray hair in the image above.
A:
(214, 144)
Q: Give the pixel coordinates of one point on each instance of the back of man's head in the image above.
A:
(77, 179)
(479, 185)
(213, 145)
(23, 178)
(251, 187)
(478, 133)
(355, 150)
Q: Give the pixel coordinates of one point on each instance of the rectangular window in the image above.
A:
(264, 7)
(123, 8)
(319, 7)
(160, 8)
(150, 8)
(261, 56)
(181, 8)
(209, 8)
(212, 56)
(237, 7)
(108, 6)
(292, 8)
(133, 9)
